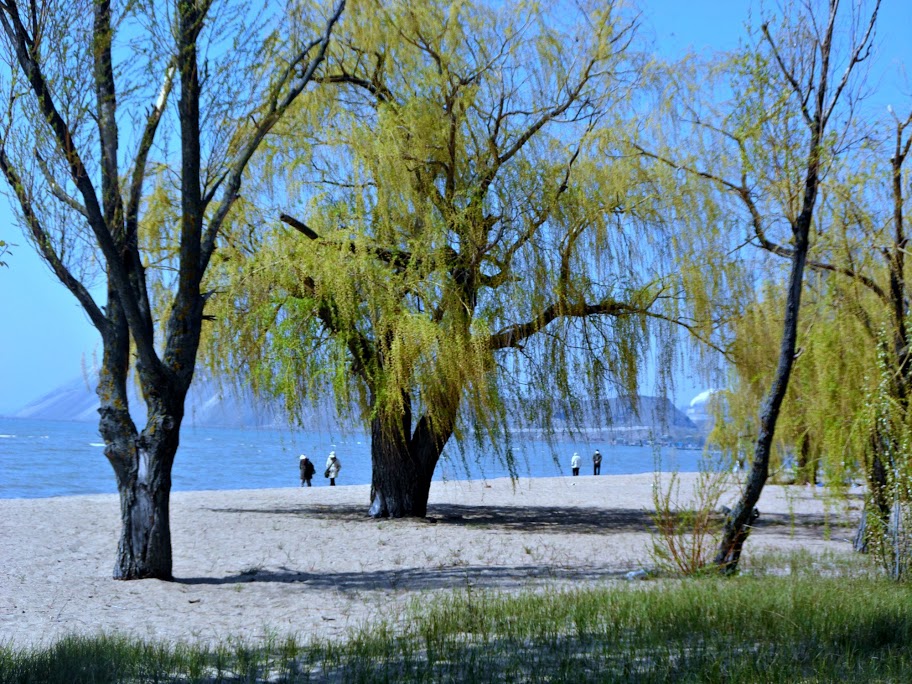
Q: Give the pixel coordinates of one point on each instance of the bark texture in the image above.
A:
(737, 528)
(403, 464)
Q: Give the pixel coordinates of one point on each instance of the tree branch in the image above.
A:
(275, 111)
(378, 90)
(28, 61)
(514, 335)
(142, 154)
(398, 259)
(855, 59)
(43, 242)
(57, 190)
(796, 87)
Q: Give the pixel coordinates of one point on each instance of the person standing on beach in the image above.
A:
(597, 463)
(307, 470)
(333, 466)
(575, 463)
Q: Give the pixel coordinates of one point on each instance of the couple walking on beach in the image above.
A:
(576, 462)
(333, 466)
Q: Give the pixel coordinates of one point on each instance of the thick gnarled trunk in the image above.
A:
(402, 468)
(403, 461)
(141, 461)
(144, 549)
(142, 464)
(400, 480)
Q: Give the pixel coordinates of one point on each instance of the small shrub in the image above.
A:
(686, 536)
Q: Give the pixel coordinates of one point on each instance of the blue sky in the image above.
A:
(46, 340)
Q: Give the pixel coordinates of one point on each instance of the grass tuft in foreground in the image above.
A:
(706, 630)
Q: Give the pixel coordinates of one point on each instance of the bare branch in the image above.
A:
(856, 58)
(276, 109)
(57, 190)
(790, 77)
(689, 169)
(43, 242)
(145, 145)
(28, 61)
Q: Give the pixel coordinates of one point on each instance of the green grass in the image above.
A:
(749, 629)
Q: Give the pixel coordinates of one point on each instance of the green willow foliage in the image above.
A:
(474, 232)
(826, 406)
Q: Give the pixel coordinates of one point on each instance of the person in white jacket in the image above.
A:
(333, 466)
(575, 463)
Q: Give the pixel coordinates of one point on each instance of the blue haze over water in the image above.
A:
(40, 458)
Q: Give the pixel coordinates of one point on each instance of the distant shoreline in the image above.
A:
(40, 459)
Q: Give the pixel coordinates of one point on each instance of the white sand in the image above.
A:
(309, 562)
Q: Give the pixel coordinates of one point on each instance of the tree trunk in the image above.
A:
(402, 461)
(144, 549)
(860, 542)
(402, 469)
(806, 472)
(737, 528)
(141, 462)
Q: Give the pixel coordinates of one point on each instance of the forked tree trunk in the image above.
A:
(402, 468)
(403, 460)
(142, 464)
(141, 461)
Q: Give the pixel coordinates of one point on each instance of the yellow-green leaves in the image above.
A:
(464, 172)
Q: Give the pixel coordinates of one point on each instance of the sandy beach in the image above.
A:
(255, 563)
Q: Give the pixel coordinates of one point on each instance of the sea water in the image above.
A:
(53, 458)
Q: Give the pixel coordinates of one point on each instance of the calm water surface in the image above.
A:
(49, 458)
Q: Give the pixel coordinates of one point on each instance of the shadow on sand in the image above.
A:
(532, 519)
(415, 579)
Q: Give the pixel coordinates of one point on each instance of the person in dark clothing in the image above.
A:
(307, 470)
(597, 463)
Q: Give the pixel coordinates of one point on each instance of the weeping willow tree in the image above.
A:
(465, 241)
(842, 414)
(103, 99)
(853, 404)
(876, 217)
(765, 129)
